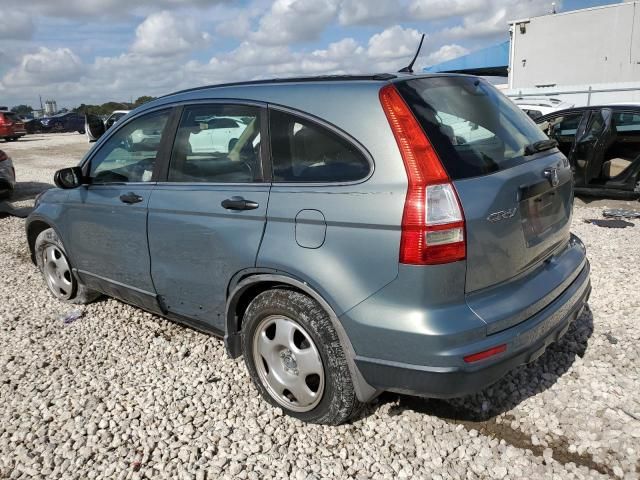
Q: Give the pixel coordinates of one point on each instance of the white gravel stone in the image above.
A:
(116, 395)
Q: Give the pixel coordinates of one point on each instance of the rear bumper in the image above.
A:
(525, 342)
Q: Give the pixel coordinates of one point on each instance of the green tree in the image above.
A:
(144, 99)
(22, 109)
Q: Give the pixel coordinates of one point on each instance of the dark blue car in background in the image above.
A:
(64, 122)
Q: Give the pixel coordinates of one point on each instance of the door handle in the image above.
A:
(130, 198)
(238, 203)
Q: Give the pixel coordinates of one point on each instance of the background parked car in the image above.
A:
(64, 122)
(7, 175)
(536, 107)
(217, 134)
(11, 127)
(603, 145)
(33, 125)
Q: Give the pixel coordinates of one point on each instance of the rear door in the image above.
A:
(207, 216)
(592, 144)
(517, 202)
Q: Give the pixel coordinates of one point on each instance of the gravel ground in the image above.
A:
(120, 393)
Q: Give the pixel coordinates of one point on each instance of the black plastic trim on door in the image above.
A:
(265, 146)
(161, 168)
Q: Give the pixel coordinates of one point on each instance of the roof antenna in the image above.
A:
(409, 68)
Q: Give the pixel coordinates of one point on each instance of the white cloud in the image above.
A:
(394, 42)
(45, 66)
(365, 12)
(166, 34)
(102, 8)
(238, 27)
(444, 53)
(16, 25)
(261, 39)
(493, 19)
(438, 9)
(290, 21)
(480, 27)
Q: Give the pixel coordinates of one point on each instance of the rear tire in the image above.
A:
(55, 267)
(306, 358)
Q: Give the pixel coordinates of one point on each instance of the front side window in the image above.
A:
(474, 128)
(129, 155)
(217, 143)
(304, 151)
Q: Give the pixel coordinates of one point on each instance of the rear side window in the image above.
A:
(626, 122)
(304, 151)
(217, 143)
(473, 127)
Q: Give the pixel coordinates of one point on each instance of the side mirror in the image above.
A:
(68, 178)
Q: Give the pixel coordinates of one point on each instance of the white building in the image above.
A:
(50, 107)
(585, 56)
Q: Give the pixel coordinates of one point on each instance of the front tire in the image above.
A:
(55, 267)
(295, 358)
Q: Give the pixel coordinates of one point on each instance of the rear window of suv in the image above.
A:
(473, 127)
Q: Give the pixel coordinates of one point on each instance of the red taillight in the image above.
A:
(3, 120)
(476, 357)
(432, 221)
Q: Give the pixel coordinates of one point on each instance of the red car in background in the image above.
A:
(11, 127)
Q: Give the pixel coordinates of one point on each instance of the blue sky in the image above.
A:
(90, 51)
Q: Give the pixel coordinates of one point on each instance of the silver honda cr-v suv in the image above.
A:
(346, 235)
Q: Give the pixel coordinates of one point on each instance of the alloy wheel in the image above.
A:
(57, 272)
(288, 363)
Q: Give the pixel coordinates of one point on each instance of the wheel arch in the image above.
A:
(34, 228)
(252, 285)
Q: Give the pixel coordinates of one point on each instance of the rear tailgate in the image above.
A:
(516, 191)
(515, 218)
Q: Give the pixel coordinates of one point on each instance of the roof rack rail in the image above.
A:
(319, 78)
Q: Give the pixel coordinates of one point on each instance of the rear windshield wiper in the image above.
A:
(540, 146)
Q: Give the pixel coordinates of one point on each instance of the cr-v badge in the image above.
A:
(502, 214)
